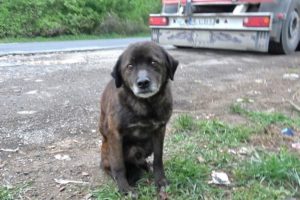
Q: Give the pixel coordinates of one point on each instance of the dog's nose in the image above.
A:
(143, 83)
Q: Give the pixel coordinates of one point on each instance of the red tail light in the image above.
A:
(158, 21)
(257, 21)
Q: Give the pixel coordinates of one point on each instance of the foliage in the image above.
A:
(32, 18)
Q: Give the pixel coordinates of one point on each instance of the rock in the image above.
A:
(84, 174)
(219, 178)
(291, 77)
(244, 151)
(62, 157)
(296, 145)
(201, 159)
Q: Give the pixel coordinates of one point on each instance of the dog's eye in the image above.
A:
(154, 63)
(130, 67)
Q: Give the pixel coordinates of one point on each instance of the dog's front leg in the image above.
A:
(117, 162)
(158, 168)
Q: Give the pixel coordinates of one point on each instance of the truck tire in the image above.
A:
(290, 33)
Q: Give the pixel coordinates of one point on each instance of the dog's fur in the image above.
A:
(135, 108)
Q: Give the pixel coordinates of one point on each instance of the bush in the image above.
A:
(48, 18)
(112, 23)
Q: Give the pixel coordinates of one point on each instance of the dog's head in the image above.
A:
(144, 68)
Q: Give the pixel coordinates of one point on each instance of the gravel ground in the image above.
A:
(50, 108)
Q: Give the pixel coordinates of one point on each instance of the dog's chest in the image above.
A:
(143, 130)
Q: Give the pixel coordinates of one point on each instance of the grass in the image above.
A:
(13, 193)
(258, 191)
(5, 193)
(280, 169)
(265, 119)
(69, 37)
(259, 174)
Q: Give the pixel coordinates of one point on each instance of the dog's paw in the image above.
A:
(132, 195)
(130, 192)
(163, 182)
(162, 195)
(126, 190)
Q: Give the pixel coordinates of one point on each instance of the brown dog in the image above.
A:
(135, 108)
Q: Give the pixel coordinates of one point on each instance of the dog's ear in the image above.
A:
(171, 64)
(116, 73)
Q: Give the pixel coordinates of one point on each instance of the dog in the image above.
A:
(135, 108)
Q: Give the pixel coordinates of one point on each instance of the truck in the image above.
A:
(250, 25)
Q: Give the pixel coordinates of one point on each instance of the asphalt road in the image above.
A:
(77, 45)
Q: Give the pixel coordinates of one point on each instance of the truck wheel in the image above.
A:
(290, 33)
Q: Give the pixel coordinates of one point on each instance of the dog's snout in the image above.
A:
(143, 83)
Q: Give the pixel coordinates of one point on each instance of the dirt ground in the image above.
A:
(50, 103)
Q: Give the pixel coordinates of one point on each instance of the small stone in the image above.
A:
(62, 157)
(62, 189)
(84, 174)
(232, 151)
(200, 159)
(219, 178)
(244, 151)
(296, 145)
(258, 81)
(291, 77)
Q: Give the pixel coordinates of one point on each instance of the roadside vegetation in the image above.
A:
(256, 156)
(50, 18)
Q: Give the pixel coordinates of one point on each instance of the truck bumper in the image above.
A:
(217, 39)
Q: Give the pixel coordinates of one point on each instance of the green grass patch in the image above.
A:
(276, 169)
(70, 37)
(107, 192)
(221, 134)
(257, 175)
(7, 193)
(258, 191)
(184, 123)
(265, 119)
(187, 176)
